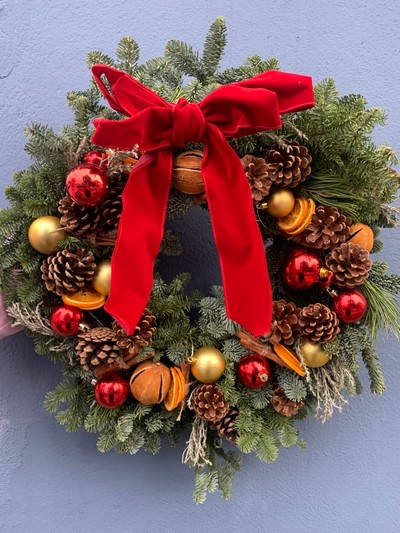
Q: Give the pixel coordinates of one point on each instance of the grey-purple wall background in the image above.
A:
(51, 481)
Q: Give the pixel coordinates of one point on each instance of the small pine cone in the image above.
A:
(288, 164)
(256, 171)
(350, 264)
(111, 208)
(78, 219)
(225, 427)
(66, 272)
(318, 323)
(97, 346)
(328, 228)
(141, 337)
(285, 323)
(209, 402)
(281, 403)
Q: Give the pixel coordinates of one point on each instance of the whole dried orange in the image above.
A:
(363, 235)
(295, 217)
(87, 298)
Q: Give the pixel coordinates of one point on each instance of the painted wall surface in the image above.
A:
(347, 481)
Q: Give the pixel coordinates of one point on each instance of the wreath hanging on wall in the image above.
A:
(283, 177)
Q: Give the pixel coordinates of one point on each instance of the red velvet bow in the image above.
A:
(234, 110)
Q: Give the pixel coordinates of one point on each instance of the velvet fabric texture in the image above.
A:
(157, 126)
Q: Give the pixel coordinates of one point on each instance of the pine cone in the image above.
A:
(97, 346)
(112, 206)
(78, 219)
(141, 337)
(350, 264)
(209, 402)
(256, 171)
(225, 427)
(318, 323)
(288, 164)
(328, 228)
(281, 403)
(66, 272)
(285, 323)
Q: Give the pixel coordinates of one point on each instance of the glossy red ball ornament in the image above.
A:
(87, 185)
(112, 390)
(302, 268)
(95, 158)
(253, 371)
(350, 305)
(65, 320)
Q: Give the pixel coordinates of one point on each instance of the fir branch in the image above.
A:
(371, 361)
(383, 309)
(128, 54)
(214, 47)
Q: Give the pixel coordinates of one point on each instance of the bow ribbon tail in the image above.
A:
(248, 294)
(140, 232)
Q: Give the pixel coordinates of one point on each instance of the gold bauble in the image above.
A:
(280, 203)
(45, 233)
(313, 355)
(207, 364)
(102, 277)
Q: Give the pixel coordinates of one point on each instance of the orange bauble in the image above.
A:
(186, 172)
(150, 382)
(364, 236)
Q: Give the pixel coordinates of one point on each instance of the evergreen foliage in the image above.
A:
(349, 172)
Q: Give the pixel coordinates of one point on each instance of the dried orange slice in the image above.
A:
(176, 391)
(295, 217)
(289, 358)
(307, 219)
(87, 298)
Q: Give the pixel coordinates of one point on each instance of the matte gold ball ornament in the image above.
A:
(280, 203)
(207, 364)
(313, 355)
(45, 234)
(102, 277)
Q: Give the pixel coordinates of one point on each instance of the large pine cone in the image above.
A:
(112, 206)
(209, 402)
(225, 427)
(328, 228)
(288, 164)
(97, 346)
(350, 264)
(141, 337)
(285, 323)
(281, 403)
(318, 323)
(66, 272)
(78, 219)
(256, 170)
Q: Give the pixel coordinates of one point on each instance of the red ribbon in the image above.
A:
(234, 110)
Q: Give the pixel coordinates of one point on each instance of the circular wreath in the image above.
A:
(320, 191)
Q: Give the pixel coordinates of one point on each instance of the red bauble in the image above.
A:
(65, 320)
(95, 158)
(303, 268)
(87, 185)
(350, 305)
(112, 390)
(253, 371)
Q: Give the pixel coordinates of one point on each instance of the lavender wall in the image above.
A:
(347, 481)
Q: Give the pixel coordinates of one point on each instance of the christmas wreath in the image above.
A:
(284, 177)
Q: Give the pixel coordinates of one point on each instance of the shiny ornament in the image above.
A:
(301, 269)
(87, 185)
(150, 382)
(313, 355)
(66, 320)
(102, 277)
(280, 203)
(95, 158)
(253, 371)
(362, 235)
(111, 391)
(350, 305)
(45, 234)
(186, 172)
(207, 364)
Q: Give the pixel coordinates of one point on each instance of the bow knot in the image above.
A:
(188, 123)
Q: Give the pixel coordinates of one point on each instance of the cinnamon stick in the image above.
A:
(250, 342)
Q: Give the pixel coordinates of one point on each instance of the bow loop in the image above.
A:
(188, 123)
